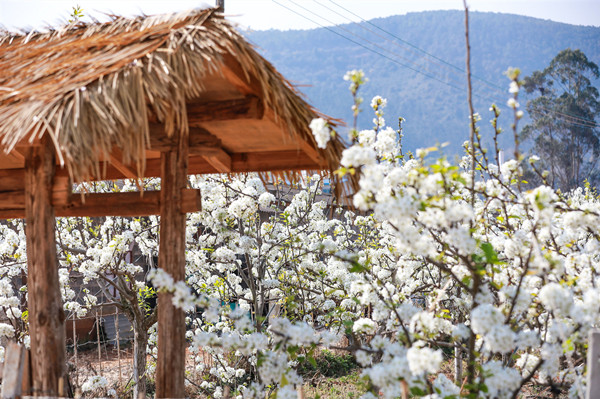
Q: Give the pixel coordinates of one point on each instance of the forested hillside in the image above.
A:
(317, 59)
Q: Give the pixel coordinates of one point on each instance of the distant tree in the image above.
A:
(563, 124)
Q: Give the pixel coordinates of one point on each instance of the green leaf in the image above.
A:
(357, 268)
(490, 254)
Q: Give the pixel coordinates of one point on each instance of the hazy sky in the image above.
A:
(267, 14)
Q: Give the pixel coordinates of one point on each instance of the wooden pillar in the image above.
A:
(46, 315)
(171, 257)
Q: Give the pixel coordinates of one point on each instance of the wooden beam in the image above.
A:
(18, 154)
(15, 198)
(12, 199)
(116, 158)
(200, 139)
(126, 204)
(62, 190)
(221, 161)
(312, 152)
(112, 204)
(233, 71)
(170, 370)
(46, 315)
(249, 107)
(240, 163)
(12, 179)
(201, 142)
(303, 144)
(272, 161)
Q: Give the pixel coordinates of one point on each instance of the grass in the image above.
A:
(350, 386)
(332, 376)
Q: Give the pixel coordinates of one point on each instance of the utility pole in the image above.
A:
(221, 5)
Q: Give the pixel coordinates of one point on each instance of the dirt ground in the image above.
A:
(115, 366)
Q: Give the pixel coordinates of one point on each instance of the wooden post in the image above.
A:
(99, 345)
(593, 365)
(170, 370)
(118, 347)
(75, 352)
(46, 315)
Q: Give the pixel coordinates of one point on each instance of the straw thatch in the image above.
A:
(92, 86)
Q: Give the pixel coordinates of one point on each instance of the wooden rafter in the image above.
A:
(116, 158)
(201, 142)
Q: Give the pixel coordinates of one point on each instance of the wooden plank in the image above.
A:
(12, 179)
(46, 315)
(26, 380)
(249, 107)
(200, 139)
(170, 370)
(12, 199)
(593, 365)
(114, 204)
(12, 378)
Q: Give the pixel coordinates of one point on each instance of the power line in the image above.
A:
(564, 115)
(371, 31)
(417, 47)
(569, 119)
(374, 51)
(393, 42)
(369, 41)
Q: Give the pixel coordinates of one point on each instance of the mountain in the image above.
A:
(402, 72)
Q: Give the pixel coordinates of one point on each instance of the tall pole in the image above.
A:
(170, 370)
(46, 315)
(221, 5)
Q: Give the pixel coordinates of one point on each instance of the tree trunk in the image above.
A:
(140, 343)
(46, 315)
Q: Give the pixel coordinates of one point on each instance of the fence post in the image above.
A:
(75, 351)
(117, 328)
(14, 361)
(98, 339)
(593, 365)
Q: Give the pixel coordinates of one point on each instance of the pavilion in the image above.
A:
(162, 96)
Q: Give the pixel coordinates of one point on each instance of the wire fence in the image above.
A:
(102, 344)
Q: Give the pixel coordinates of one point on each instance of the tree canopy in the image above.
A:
(563, 124)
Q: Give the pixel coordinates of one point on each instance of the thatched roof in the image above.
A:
(98, 89)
